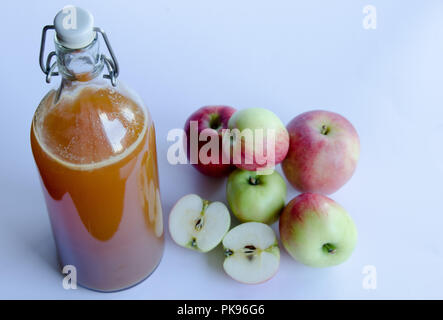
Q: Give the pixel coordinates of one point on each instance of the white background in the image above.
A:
(288, 56)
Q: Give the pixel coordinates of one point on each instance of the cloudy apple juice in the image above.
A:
(95, 152)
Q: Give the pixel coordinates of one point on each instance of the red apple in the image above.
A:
(209, 120)
(323, 152)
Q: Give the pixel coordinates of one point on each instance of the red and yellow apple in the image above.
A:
(317, 231)
(208, 122)
(323, 152)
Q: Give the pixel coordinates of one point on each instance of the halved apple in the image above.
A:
(252, 253)
(198, 224)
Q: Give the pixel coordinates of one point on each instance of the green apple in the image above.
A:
(256, 197)
(260, 123)
(317, 231)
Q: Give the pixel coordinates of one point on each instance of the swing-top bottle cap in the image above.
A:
(74, 27)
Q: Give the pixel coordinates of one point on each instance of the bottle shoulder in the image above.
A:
(88, 123)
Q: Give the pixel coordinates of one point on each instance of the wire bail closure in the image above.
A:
(49, 67)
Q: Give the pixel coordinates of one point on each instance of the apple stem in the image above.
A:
(253, 181)
(330, 248)
(228, 252)
(324, 130)
(215, 121)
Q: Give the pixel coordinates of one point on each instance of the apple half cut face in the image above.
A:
(252, 254)
(198, 224)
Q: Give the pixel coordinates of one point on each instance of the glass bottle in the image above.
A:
(93, 142)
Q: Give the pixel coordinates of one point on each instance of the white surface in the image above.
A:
(289, 56)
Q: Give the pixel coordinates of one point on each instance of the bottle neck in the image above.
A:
(79, 64)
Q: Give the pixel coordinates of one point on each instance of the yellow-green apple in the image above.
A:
(255, 197)
(252, 254)
(323, 152)
(198, 224)
(317, 231)
(261, 140)
(203, 126)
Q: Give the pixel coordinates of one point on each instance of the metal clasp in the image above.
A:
(49, 69)
(111, 64)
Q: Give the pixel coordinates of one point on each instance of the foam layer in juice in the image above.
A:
(90, 128)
